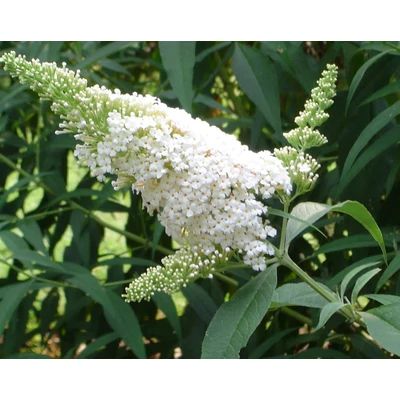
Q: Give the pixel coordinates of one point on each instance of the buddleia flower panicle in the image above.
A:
(301, 166)
(306, 136)
(205, 186)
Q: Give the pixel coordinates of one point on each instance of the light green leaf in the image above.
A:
(167, 306)
(256, 75)
(327, 312)
(351, 275)
(353, 166)
(308, 212)
(359, 75)
(384, 299)
(383, 325)
(361, 282)
(100, 342)
(311, 212)
(392, 268)
(236, 320)
(178, 59)
(298, 294)
(10, 301)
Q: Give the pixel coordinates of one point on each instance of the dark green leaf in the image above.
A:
(11, 300)
(178, 59)
(200, 301)
(100, 342)
(391, 269)
(359, 75)
(327, 312)
(361, 282)
(236, 320)
(257, 77)
(167, 306)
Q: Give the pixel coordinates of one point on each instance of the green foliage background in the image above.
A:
(69, 245)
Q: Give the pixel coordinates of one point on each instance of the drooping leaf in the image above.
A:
(236, 320)
(178, 59)
(311, 212)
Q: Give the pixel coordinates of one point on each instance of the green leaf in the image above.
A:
(298, 294)
(311, 212)
(200, 301)
(384, 299)
(383, 325)
(361, 282)
(178, 59)
(327, 312)
(100, 342)
(118, 313)
(103, 52)
(30, 256)
(256, 75)
(124, 321)
(265, 346)
(33, 234)
(167, 306)
(359, 75)
(236, 320)
(353, 166)
(351, 275)
(392, 268)
(393, 87)
(11, 299)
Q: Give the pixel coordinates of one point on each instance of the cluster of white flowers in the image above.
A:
(204, 184)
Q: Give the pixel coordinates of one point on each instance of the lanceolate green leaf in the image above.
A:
(392, 268)
(327, 312)
(178, 59)
(257, 77)
(298, 294)
(167, 306)
(359, 75)
(118, 313)
(200, 301)
(236, 320)
(311, 212)
(383, 324)
(380, 145)
(351, 275)
(361, 282)
(98, 344)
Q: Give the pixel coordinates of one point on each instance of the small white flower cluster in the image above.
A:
(301, 167)
(204, 184)
(180, 269)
